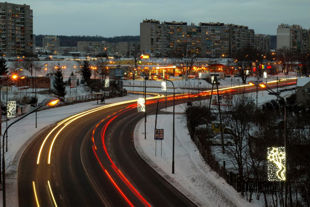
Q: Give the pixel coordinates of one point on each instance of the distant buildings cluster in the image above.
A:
(51, 45)
(162, 39)
(204, 40)
(215, 39)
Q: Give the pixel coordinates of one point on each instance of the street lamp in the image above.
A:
(145, 78)
(47, 102)
(173, 123)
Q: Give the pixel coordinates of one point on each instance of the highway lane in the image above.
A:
(149, 188)
(69, 183)
(74, 177)
(83, 173)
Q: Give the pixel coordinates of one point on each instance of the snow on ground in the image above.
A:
(19, 135)
(302, 81)
(193, 176)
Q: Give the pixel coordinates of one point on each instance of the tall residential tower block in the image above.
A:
(16, 29)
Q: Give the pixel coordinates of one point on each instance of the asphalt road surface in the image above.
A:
(87, 170)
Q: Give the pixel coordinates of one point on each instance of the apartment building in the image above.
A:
(293, 37)
(51, 44)
(91, 47)
(262, 42)
(123, 49)
(182, 40)
(16, 29)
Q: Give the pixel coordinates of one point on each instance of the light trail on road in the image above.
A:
(105, 123)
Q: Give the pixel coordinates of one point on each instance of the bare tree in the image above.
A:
(238, 124)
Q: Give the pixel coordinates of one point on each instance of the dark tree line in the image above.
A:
(71, 41)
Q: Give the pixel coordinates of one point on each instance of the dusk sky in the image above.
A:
(110, 18)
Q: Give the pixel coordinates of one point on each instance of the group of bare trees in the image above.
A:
(252, 131)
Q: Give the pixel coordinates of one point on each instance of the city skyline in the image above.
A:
(118, 17)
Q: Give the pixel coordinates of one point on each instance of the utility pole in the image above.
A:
(173, 126)
(145, 107)
(220, 114)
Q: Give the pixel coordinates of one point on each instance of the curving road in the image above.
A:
(89, 160)
(82, 173)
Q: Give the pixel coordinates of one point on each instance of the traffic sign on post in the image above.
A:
(164, 86)
(141, 105)
(159, 134)
(11, 109)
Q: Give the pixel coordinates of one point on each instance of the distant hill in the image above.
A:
(71, 41)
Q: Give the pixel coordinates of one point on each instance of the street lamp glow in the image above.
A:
(14, 76)
(53, 102)
(262, 85)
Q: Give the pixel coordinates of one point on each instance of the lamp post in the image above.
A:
(173, 123)
(46, 102)
(145, 77)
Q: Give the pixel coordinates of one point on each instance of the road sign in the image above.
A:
(159, 134)
(164, 86)
(141, 105)
(11, 109)
(107, 82)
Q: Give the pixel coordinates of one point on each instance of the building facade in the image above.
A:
(123, 49)
(262, 42)
(51, 44)
(178, 39)
(91, 48)
(293, 37)
(16, 29)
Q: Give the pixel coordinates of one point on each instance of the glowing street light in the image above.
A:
(52, 103)
(14, 76)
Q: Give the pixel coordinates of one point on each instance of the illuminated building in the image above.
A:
(178, 39)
